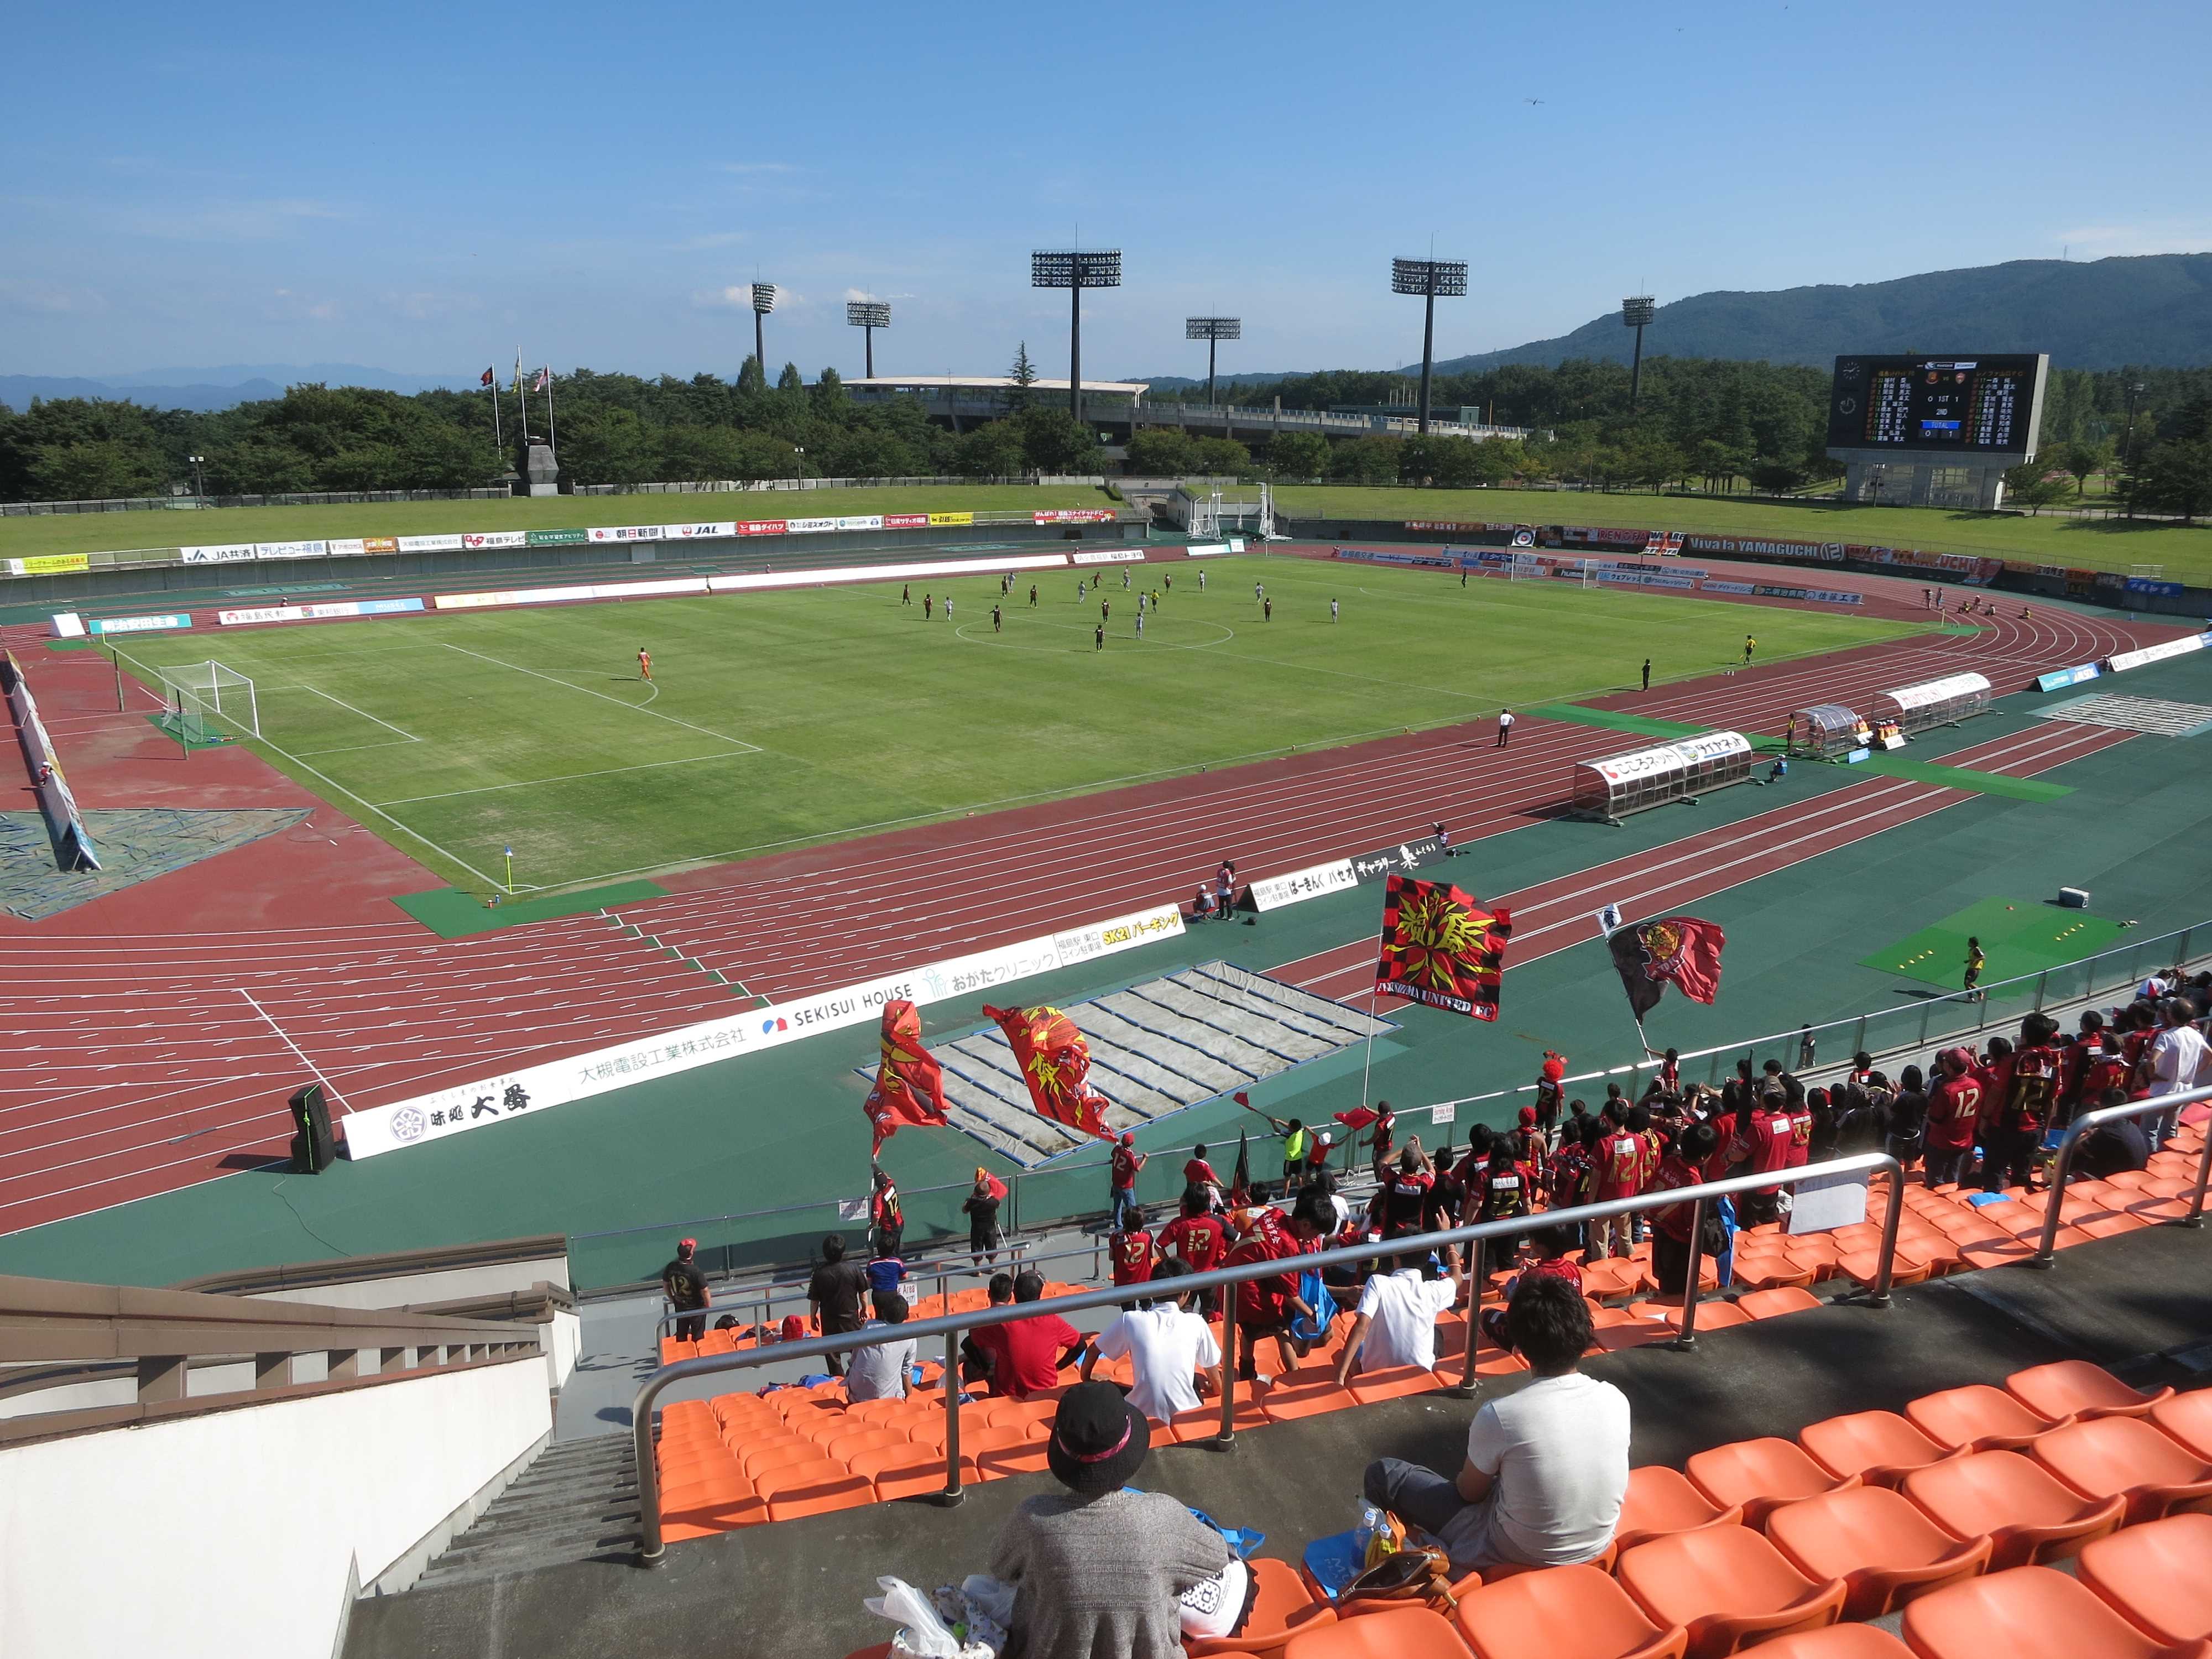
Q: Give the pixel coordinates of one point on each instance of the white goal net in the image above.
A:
(207, 702)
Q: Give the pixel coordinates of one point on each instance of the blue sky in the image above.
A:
(424, 187)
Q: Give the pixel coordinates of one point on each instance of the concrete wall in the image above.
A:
(235, 1535)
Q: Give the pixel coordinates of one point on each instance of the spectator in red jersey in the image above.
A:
(1617, 1172)
(1447, 1196)
(1682, 1166)
(1381, 1136)
(1406, 1198)
(1265, 1307)
(1954, 1104)
(1198, 1237)
(1801, 1129)
(1027, 1354)
(1127, 1160)
(1130, 1251)
(1773, 1132)
(2014, 1141)
(1197, 1172)
(1554, 1247)
(1505, 1193)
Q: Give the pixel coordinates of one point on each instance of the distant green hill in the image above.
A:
(2152, 311)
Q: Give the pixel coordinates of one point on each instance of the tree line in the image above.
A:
(1698, 423)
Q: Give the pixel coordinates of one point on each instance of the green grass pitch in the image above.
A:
(777, 718)
(2019, 937)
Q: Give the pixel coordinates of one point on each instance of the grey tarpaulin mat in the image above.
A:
(1157, 1048)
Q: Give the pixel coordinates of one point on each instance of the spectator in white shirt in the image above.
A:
(1547, 1467)
(1396, 1323)
(2176, 1059)
(881, 1372)
(1173, 1357)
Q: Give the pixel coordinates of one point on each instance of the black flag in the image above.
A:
(1240, 1184)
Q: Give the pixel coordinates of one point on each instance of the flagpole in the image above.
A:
(552, 431)
(522, 393)
(1373, 990)
(498, 439)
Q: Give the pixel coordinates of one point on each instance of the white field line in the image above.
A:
(572, 777)
(635, 708)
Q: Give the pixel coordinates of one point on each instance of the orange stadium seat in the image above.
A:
(1401, 1633)
(1759, 1475)
(1284, 1607)
(1881, 1448)
(1727, 1586)
(2026, 1512)
(2157, 1576)
(1977, 1418)
(1662, 1500)
(2029, 1612)
(1836, 1642)
(2187, 1418)
(1563, 1612)
(2127, 1458)
(2074, 1388)
(1885, 1550)
(1773, 1303)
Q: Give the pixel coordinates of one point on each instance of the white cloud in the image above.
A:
(2153, 236)
(29, 295)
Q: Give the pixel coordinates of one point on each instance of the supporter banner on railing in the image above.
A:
(1823, 552)
(139, 625)
(2121, 661)
(1273, 892)
(425, 1118)
(1389, 861)
(50, 564)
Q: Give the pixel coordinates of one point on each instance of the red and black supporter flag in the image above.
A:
(909, 1086)
(1055, 1063)
(1680, 950)
(1240, 1183)
(1441, 947)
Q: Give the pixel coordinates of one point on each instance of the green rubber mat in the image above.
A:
(1617, 720)
(2018, 938)
(451, 914)
(1960, 777)
(205, 738)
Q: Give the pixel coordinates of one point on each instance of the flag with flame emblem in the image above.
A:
(1055, 1063)
(909, 1086)
(1680, 950)
(1441, 947)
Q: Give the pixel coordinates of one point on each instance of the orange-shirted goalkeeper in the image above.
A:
(644, 663)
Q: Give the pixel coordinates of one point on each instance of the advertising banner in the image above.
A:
(952, 518)
(292, 550)
(50, 564)
(1374, 556)
(761, 527)
(626, 533)
(497, 539)
(519, 1092)
(808, 526)
(861, 521)
(1073, 515)
(2120, 662)
(380, 543)
(347, 547)
(692, 532)
(1821, 595)
(2060, 678)
(429, 543)
(552, 538)
(1452, 527)
(282, 613)
(1275, 891)
(65, 625)
(223, 553)
(906, 520)
(752, 579)
(139, 625)
(1823, 552)
(1112, 556)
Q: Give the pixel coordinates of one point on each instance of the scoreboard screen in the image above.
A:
(1971, 405)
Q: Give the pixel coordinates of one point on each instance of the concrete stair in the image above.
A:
(578, 1502)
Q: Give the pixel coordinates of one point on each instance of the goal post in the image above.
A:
(205, 701)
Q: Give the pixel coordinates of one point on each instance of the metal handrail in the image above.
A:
(651, 1550)
(2157, 1106)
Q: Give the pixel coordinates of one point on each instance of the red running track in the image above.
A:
(141, 1066)
(1555, 915)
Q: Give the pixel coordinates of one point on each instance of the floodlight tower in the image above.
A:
(1430, 278)
(1636, 310)
(1213, 330)
(870, 314)
(1075, 271)
(763, 298)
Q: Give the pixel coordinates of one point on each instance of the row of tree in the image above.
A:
(1698, 423)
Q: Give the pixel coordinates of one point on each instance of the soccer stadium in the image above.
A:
(1068, 1058)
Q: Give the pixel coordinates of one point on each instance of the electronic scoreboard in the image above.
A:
(1980, 405)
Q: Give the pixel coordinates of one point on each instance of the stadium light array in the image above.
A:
(1432, 279)
(870, 314)
(1213, 330)
(1636, 311)
(763, 296)
(1075, 271)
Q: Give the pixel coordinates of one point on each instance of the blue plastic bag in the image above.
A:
(1314, 1292)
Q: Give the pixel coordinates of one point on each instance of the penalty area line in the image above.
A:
(571, 777)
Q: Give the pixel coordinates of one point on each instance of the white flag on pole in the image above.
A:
(1609, 919)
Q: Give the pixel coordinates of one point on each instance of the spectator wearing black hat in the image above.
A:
(1100, 1569)
(685, 1287)
(833, 1296)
